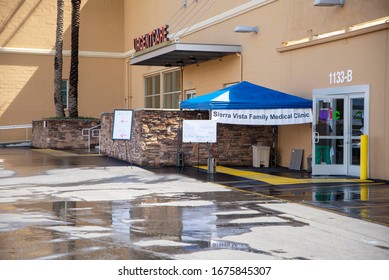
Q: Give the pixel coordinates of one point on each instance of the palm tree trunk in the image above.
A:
(58, 61)
(73, 77)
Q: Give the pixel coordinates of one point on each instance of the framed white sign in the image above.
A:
(199, 131)
(122, 124)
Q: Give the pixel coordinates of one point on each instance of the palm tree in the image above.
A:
(73, 77)
(58, 61)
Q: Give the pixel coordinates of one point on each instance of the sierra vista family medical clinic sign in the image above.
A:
(263, 116)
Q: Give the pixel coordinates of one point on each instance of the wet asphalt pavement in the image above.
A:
(343, 195)
(367, 200)
(63, 205)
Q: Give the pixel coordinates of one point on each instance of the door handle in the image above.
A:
(316, 137)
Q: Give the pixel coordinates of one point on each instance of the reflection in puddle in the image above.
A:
(359, 200)
(341, 194)
(145, 228)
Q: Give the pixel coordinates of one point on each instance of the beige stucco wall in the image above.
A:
(366, 55)
(384, 156)
(29, 24)
(27, 40)
(204, 77)
(143, 16)
(26, 86)
(300, 16)
(33, 24)
(308, 68)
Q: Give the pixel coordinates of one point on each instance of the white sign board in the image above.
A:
(199, 131)
(122, 125)
(263, 116)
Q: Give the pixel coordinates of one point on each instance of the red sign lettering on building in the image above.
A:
(153, 38)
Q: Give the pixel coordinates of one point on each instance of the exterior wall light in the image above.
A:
(246, 29)
(328, 3)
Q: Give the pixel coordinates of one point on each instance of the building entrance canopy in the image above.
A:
(182, 54)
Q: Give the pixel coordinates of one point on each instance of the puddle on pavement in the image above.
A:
(25, 161)
(172, 221)
(150, 227)
(363, 201)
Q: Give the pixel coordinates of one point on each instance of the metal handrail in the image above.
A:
(17, 126)
(89, 130)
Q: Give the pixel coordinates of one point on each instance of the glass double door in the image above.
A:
(339, 122)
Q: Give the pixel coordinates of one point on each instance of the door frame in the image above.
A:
(348, 93)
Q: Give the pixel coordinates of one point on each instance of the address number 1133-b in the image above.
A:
(341, 77)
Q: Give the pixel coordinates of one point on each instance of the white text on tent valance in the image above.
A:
(263, 116)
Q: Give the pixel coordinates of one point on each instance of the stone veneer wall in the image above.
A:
(156, 134)
(62, 134)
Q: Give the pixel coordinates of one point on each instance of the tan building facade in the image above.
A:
(27, 43)
(335, 55)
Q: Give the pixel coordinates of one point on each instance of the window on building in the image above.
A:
(190, 93)
(64, 92)
(171, 89)
(153, 92)
(164, 95)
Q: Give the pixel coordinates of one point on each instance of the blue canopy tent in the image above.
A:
(247, 103)
(245, 95)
